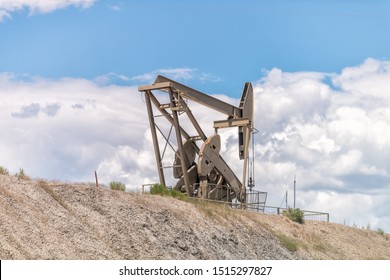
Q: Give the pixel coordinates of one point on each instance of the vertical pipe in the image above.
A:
(154, 137)
(180, 143)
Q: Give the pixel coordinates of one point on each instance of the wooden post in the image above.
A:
(96, 180)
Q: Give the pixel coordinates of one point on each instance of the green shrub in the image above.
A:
(22, 175)
(4, 171)
(177, 194)
(160, 189)
(118, 186)
(295, 215)
(380, 231)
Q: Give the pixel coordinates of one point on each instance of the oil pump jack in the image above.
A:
(201, 171)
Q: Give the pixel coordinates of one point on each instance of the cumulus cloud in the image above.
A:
(67, 128)
(173, 73)
(331, 130)
(333, 135)
(32, 110)
(7, 7)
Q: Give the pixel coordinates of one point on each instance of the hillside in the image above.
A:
(41, 220)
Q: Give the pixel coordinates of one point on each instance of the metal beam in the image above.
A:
(246, 133)
(192, 119)
(199, 97)
(180, 145)
(164, 85)
(154, 137)
(231, 123)
(170, 119)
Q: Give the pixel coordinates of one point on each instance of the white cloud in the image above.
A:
(111, 78)
(209, 77)
(333, 137)
(179, 74)
(7, 7)
(65, 129)
(366, 80)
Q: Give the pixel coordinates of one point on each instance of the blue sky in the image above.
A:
(69, 104)
(230, 41)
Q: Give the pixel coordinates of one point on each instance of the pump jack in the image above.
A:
(211, 176)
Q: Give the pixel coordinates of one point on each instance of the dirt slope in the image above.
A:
(40, 220)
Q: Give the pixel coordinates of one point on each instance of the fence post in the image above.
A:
(96, 180)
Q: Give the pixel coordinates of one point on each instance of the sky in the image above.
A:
(69, 100)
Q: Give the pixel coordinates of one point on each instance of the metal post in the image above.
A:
(246, 145)
(154, 137)
(180, 144)
(294, 189)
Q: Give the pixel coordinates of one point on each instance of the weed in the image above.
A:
(287, 242)
(320, 247)
(159, 189)
(295, 215)
(4, 171)
(42, 183)
(118, 186)
(22, 175)
(380, 231)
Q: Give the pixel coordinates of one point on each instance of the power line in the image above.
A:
(284, 200)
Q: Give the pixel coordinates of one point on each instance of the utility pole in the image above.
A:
(295, 182)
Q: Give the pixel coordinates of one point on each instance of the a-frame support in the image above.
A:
(211, 169)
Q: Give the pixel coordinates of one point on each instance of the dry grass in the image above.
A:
(22, 175)
(4, 171)
(41, 219)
